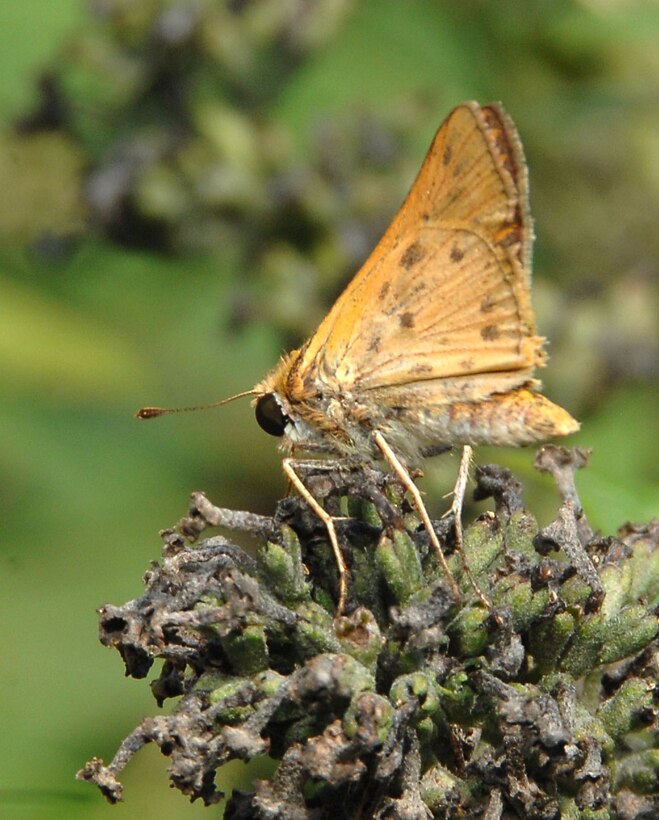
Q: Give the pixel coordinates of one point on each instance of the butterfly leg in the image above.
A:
(456, 508)
(288, 465)
(403, 474)
(300, 463)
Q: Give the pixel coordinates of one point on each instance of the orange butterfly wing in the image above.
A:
(445, 293)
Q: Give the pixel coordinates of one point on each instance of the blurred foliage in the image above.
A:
(186, 186)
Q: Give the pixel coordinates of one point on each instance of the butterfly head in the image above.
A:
(293, 407)
(274, 415)
(271, 407)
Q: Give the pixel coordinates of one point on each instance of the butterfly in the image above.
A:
(433, 343)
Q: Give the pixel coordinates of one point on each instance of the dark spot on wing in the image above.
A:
(407, 319)
(413, 253)
(488, 304)
(490, 333)
(457, 255)
(448, 153)
(467, 364)
(384, 290)
(421, 369)
(425, 216)
(374, 344)
(454, 195)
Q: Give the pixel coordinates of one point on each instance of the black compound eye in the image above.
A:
(270, 416)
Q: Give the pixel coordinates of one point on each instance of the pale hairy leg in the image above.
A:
(288, 465)
(456, 508)
(403, 474)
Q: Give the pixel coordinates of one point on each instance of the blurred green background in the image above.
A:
(185, 188)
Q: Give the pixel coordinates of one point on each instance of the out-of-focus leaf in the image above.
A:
(622, 482)
(32, 32)
(47, 348)
(40, 180)
(383, 46)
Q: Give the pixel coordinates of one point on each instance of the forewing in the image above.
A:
(445, 293)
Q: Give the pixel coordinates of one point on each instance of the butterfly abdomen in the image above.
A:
(515, 418)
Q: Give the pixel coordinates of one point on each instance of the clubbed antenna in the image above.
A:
(154, 412)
